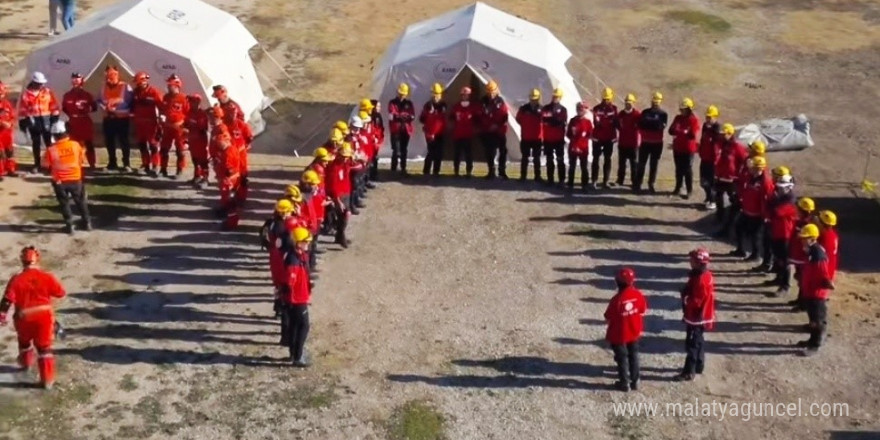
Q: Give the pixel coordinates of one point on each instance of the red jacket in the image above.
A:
(624, 316)
(175, 107)
(197, 130)
(78, 103)
(815, 274)
(709, 142)
(529, 119)
(307, 212)
(698, 299)
(580, 133)
(605, 122)
(433, 119)
(32, 287)
(146, 103)
(628, 125)
(782, 214)
(7, 123)
(830, 242)
(231, 110)
(554, 116)
(796, 253)
(684, 131)
(378, 128)
(464, 121)
(297, 287)
(652, 125)
(339, 177)
(278, 237)
(229, 168)
(755, 194)
(732, 158)
(317, 201)
(401, 115)
(494, 115)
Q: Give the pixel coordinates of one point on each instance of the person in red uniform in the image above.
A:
(782, 216)
(196, 130)
(684, 130)
(730, 161)
(829, 239)
(230, 108)
(401, 114)
(624, 317)
(174, 111)
(313, 203)
(7, 131)
(554, 117)
(378, 124)
(296, 297)
(339, 191)
(755, 193)
(215, 116)
(228, 176)
(698, 306)
(357, 140)
(816, 285)
(275, 238)
(531, 137)
(242, 136)
(494, 123)
(38, 110)
(652, 126)
(370, 147)
(710, 140)
(319, 165)
(580, 138)
(78, 105)
(30, 293)
(433, 119)
(797, 254)
(604, 136)
(629, 139)
(145, 116)
(464, 117)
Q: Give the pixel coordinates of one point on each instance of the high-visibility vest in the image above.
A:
(41, 103)
(65, 159)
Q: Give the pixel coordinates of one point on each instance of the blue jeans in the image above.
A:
(68, 10)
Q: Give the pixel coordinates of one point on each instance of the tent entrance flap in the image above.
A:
(452, 96)
(94, 82)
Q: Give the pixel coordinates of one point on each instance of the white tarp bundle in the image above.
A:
(478, 39)
(778, 134)
(204, 45)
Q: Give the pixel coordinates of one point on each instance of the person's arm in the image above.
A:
(7, 301)
(56, 290)
(608, 310)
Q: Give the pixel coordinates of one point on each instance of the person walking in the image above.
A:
(64, 159)
(68, 13)
(624, 317)
(55, 9)
(698, 306)
(652, 126)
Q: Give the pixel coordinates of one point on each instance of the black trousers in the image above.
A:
(649, 159)
(295, 329)
(817, 311)
(313, 252)
(726, 216)
(694, 362)
(116, 132)
(707, 180)
(358, 187)
(76, 191)
(627, 359)
(780, 263)
(399, 146)
(766, 246)
(530, 150)
(603, 149)
(374, 169)
(684, 171)
(341, 217)
(749, 227)
(495, 145)
(555, 152)
(574, 160)
(40, 137)
(627, 156)
(434, 156)
(464, 147)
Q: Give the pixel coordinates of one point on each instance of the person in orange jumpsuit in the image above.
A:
(196, 129)
(30, 294)
(147, 130)
(64, 159)
(242, 136)
(7, 124)
(230, 107)
(37, 111)
(78, 104)
(228, 176)
(174, 110)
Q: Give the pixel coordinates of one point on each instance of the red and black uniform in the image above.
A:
(782, 219)
(276, 240)
(684, 130)
(708, 149)
(196, 127)
(652, 126)
(433, 119)
(580, 138)
(78, 105)
(815, 288)
(7, 130)
(175, 109)
(755, 194)
(554, 117)
(401, 114)
(296, 294)
(147, 131)
(729, 164)
(628, 142)
(494, 125)
(604, 135)
(339, 189)
(31, 292)
(624, 317)
(531, 138)
(377, 124)
(464, 117)
(797, 255)
(829, 240)
(698, 305)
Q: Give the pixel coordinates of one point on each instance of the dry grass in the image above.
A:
(826, 31)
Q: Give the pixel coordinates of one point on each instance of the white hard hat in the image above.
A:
(356, 121)
(785, 181)
(39, 78)
(58, 128)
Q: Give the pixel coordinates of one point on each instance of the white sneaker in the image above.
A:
(710, 206)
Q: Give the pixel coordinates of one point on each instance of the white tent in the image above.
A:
(471, 46)
(204, 45)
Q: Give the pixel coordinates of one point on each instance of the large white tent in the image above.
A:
(469, 47)
(204, 45)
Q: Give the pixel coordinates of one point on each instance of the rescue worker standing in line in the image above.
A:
(731, 160)
(464, 117)
(494, 125)
(228, 176)
(652, 126)
(313, 196)
(371, 107)
(231, 109)
(629, 140)
(684, 130)
(38, 110)
(196, 130)
(145, 116)
(339, 191)
(829, 239)
(782, 215)
(604, 136)
(64, 159)
(242, 136)
(174, 110)
(531, 135)
(433, 119)
(624, 317)
(554, 117)
(580, 138)
(710, 141)
(78, 105)
(401, 115)
(698, 305)
(275, 238)
(755, 193)
(797, 254)
(7, 124)
(816, 285)
(296, 296)
(31, 293)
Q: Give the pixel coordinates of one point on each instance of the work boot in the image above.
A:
(301, 362)
(69, 229)
(503, 176)
(371, 185)
(152, 173)
(164, 172)
(634, 385)
(87, 225)
(684, 377)
(752, 257)
(686, 196)
(178, 175)
(651, 190)
(621, 386)
(810, 351)
(737, 253)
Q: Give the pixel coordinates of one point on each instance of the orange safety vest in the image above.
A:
(41, 103)
(65, 159)
(113, 96)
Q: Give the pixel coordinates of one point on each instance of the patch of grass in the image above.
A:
(128, 383)
(706, 22)
(682, 84)
(149, 409)
(11, 414)
(28, 415)
(416, 420)
(628, 428)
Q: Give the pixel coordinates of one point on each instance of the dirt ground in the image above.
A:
(464, 309)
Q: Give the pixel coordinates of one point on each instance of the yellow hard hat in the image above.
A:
(321, 153)
(557, 92)
(311, 177)
(536, 94)
(366, 105)
(758, 162)
(657, 98)
(336, 135)
(342, 126)
(781, 171)
(630, 98)
(364, 116)
(828, 218)
(301, 235)
(403, 89)
(713, 112)
(809, 231)
(758, 148)
(346, 150)
(728, 129)
(293, 193)
(806, 204)
(607, 93)
(492, 86)
(284, 206)
(436, 89)
(687, 103)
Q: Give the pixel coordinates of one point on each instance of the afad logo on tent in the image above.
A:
(443, 71)
(58, 61)
(165, 67)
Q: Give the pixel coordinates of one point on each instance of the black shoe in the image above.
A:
(69, 229)
(112, 167)
(163, 173)
(634, 385)
(684, 377)
(810, 351)
(371, 185)
(152, 173)
(752, 257)
(794, 302)
(301, 363)
(504, 176)
(621, 386)
(806, 343)
(759, 268)
(686, 196)
(651, 190)
(87, 226)
(354, 211)
(737, 253)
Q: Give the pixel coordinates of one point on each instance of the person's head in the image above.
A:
(284, 208)
(174, 83)
(356, 124)
(656, 99)
(310, 180)
(220, 93)
(59, 130)
(607, 95)
(582, 108)
(29, 256)
(492, 89)
(465, 95)
(757, 149)
(629, 101)
(336, 136)
(324, 156)
(141, 80)
(366, 105)
(293, 193)
(806, 206)
(403, 90)
(727, 130)
(38, 80)
(780, 172)
(365, 118)
(224, 139)
(699, 258)
(625, 277)
(686, 107)
(377, 106)
(302, 238)
(809, 234)
(194, 100)
(217, 114)
(712, 113)
(345, 152)
(76, 80)
(111, 75)
(436, 92)
(342, 126)
(784, 184)
(827, 219)
(757, 165)
(535, 98)
(557, 95)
